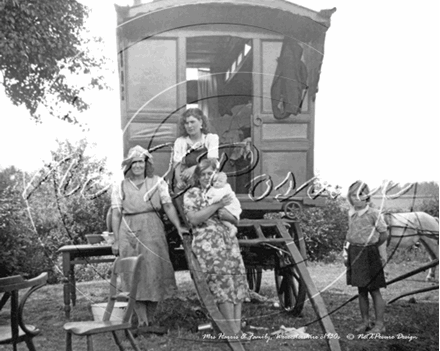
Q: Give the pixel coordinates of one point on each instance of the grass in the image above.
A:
(413, 316)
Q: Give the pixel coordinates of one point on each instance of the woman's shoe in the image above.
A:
(135, 332)
(239, 337)
(377, 330)
(152, 329)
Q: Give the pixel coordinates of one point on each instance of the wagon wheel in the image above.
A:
(292, 210)
(254, 276)
(291, 289)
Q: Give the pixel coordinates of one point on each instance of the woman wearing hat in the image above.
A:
(138, 229)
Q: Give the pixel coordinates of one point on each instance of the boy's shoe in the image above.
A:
(363, 328)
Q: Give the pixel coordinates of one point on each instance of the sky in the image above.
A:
(377, 109)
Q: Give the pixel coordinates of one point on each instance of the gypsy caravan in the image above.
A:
(252, 67)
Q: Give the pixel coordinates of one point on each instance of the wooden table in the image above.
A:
(79, 254)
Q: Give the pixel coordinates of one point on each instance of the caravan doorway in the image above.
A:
(219, 81)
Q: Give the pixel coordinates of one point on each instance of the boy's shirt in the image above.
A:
(365, 226)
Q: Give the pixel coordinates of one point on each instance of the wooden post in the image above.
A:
(313, 294)
(66, 283)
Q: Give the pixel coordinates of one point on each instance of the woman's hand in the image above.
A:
(181, 185)
(226, 200)
(181, 231)
(115, 248)
(225, 215)
(187, 173)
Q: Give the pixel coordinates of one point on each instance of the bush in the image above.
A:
(430, 206)
(324, 229)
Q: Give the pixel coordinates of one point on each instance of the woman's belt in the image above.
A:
(136, 213)
(363, 245)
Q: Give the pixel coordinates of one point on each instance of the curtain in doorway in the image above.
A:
(289, 86)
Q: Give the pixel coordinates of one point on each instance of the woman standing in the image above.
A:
(138, 230)
(194, 142)
(217, 252)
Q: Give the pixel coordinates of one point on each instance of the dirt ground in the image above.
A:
(412, 322)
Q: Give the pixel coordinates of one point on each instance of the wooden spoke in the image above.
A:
(290, 289)
(254, 276)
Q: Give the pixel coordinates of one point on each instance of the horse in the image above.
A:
(409, 228)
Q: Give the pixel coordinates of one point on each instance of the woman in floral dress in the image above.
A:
(217, 252)
(139, 230)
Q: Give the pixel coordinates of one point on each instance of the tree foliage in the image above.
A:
(57, 206)
(41, 44)
(13, 243)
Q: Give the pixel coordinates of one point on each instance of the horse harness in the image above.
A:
(419, 231)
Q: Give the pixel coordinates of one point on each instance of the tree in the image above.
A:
(42, 42)
(16, 242)
(56, 206)
(70, 196)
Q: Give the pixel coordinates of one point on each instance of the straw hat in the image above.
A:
(136, 153)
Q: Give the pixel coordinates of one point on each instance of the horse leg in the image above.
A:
(431, 247)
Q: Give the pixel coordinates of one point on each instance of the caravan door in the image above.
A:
(285, 146)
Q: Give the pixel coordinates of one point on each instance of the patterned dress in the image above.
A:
(142, 232)
(217, 253)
